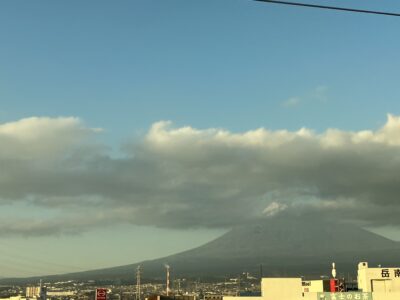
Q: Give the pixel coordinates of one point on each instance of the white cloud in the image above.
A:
(41, 137)
(317, 95)
(274, 208)
(320, 93)
(291, 102)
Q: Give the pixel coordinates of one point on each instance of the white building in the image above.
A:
(31, 293)
(277, 289)
(373, 284)
(36, 292)
(53, 293)
(313, 286)
(378, 280)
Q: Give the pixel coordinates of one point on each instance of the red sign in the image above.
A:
(101, 294)
(333, 285)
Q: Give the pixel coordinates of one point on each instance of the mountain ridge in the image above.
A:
(284, 246)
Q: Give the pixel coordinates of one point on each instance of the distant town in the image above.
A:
(373, 283)
(245, 284)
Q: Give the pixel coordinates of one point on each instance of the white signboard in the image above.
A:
(345, 296)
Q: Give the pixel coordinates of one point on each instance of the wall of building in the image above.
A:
(213, 297)
(381, 280)
(281, 288)
(13, 298)
(386, 296)
(242, 298)
(60, 293)
(313, 286)
(310, 296)
(33, 291)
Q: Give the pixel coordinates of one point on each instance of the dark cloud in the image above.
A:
(180, 178)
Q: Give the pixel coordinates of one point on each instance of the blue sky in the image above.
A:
(237, 65)
(205, 63)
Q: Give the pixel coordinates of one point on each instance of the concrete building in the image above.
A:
(281, 288)
(54, 293)
(14, 298)
(36, 292)
(315, 286)
(378, 280)
(213, 297)
(172, 297)
(373, 284)
(31, 293)
(277, 288)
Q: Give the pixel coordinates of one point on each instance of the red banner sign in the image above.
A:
(333, 285)
(101, 294)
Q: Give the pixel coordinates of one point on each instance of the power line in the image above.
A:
(332, 8)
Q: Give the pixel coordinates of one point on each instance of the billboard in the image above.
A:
(345, 296)
(101, 294)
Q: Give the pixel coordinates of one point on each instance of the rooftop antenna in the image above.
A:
(138, 273)
(333, 270)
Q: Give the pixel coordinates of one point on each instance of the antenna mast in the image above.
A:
(167, 289)
(138, 273)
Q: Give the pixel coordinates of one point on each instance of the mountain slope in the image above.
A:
(281, 236)
(284, 246)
